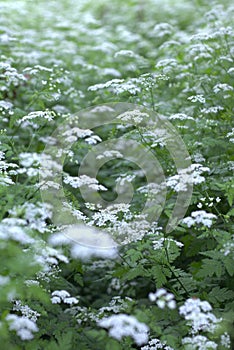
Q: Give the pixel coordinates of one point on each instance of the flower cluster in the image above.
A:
(123, 325)
(59, 296)
(135, 116)
(187, 177)
(22, 325)
(230, 135)
(26, 311)
(11, 229)
(33, 216)
(199, 342)
(156, 344)
(74, 133)
(199, 217)
(161, 242)
(86, 242)
(163, 298)
(47, 115)
(199, 316)
(84, 180)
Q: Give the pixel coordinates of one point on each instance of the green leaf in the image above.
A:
(113, 344)
(158, 274)
(65, 341)
(138, 271)
(209, 268)
(229, 265)
(79, 279)
(230, 213)
(221, 294)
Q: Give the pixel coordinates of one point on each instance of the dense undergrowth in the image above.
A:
(159, 289)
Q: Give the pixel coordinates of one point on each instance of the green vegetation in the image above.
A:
(68, 68)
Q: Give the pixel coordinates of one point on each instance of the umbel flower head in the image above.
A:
(124, 325)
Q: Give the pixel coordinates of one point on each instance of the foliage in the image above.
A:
(174, 59)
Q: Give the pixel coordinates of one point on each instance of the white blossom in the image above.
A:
(222, 87)
(199, 316)
(162, 29)
(197, 98)
(35, 215)
(15, 233)
(198, 342)
(4, 280)
(47, 256)
(214, 109)
(59, 296)
(180, 116)
(230, 135)
(163, 298)
(86, 242)
(123, 325)
(187, 177)
(199, 217)
(47, 115)
(155, 344)
(134, 116)
(22, 325)
(110, 154)
(26, 310)
(226, 341)
(84, 180)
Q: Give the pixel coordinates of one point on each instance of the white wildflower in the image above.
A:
(32, 283)
(23, 326)
(230, 135)
(86, 242)
(163, 298)
(197, 98)
(187, 177)
(228, 247)
(5, 105)
(198, 342)
(113, 83)
(123, 326)
(93, 140)
(110, 154)
(37, 68)
(126, 53)
(35, 215)
(198, 315)
(84, 180)
(135, 116)
(28, 159)
(162, 29)
(26, 311)
(86, 253)
(159, 243)
(167, 65)
(199, 217)
(116, 305)
(222, 88)
(4, 280)
(180, 116)
(210, 110)
(156, 344)
(226, 341)
(47, 115)
(59, 296)
(102, 109)
(15, 233)
(112, 72)
(75, 133)
(47, 256)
